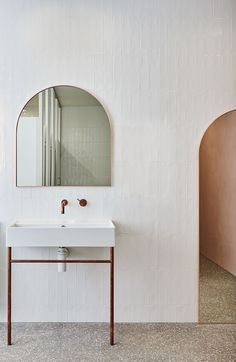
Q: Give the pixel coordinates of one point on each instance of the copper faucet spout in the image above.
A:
(63, 204)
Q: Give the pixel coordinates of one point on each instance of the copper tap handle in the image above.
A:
(82, 202)
(63, 204)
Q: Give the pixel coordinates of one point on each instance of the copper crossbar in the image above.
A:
(57, 261)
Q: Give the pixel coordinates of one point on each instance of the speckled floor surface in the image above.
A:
(217, 293)
(67, 342)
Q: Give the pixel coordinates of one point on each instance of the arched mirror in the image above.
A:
(63, 139)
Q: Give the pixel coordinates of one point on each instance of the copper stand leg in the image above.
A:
(111, 296)
(9, 299)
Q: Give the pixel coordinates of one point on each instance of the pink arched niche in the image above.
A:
(217, 192)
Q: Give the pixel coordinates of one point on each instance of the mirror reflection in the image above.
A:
(63, 139)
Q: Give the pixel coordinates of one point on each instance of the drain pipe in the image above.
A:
(62, 254)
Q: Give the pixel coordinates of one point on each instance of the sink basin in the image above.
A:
(84, 234)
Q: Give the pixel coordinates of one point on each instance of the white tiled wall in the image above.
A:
(164, 70)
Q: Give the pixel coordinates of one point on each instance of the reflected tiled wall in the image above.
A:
(85, 147)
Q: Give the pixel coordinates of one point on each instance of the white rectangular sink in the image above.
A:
(84, 234)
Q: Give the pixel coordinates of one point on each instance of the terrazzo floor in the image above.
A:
(67, 342)
(217, 293)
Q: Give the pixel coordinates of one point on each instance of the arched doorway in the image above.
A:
(217, 221)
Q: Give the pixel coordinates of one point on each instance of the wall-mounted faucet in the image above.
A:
(63, 204)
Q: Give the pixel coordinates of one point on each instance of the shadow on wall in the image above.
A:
(217, 158)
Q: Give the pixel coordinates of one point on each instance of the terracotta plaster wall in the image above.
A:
(218, 192)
